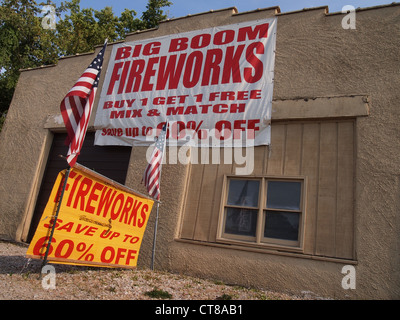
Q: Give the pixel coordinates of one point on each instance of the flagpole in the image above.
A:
(156, 223)
(55, 217)
(155, 238)
(158, 207)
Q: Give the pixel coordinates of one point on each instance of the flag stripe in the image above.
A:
(77, 106)
(84, 85)
(152, 174)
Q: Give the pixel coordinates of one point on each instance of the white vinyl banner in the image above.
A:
(213, 86)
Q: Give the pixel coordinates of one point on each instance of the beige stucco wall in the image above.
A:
(315, 57)
(364, 60)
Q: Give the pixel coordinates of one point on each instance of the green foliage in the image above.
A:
(224, 297)
(154, 14)
(158, 294)
(24, 43)
(2, 119)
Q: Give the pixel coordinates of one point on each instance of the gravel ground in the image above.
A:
(19, 280)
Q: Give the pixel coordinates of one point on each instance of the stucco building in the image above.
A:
(334, 154)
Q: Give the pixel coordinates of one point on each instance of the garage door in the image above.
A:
(110, 161)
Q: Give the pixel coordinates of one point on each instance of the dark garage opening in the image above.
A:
(110, 161)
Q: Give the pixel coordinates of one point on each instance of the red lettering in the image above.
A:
(211, 64)
(67, 227)
(232, 65)
(122, 80)
(115, 115)
(93, 197)
(171, 100)
(134, 212)
(174, 110)
(235, 108)
(91, 231)
(50, 224)
(135, 113)
(220, 108)
(120, 254)
(114, 235)
(79, 229)
(255, 62)
(159, 100)
(152, 48)
(130, 102)
(200, 41)
(41, 246)
(143, 214)
(71, 195)
(135, 76)
(114, 77)
(120, 201)
(108, 105)
(204, 107)
(237, 128)
(123, 53)
(104, 254)
(191, 110)
(119, 104)
(193, 69)
(60, 247)
(247, 32)
(227, 95)
(224, 37)
(136, 51)
(105, 201)
(83, 190)
(130, 256)
(150, 72)
(125, 211)
(177, 130)
(255, 94)
(252, 128)
(178, 44)
(223, 129)
(242, 95)
(171, 72)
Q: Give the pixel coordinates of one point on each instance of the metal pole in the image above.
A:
(155, 238)
(158, 206)
(55, 217)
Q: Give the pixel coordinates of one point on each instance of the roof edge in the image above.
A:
(276, 8)
(201, 13)
(393, 4)
(325, 8)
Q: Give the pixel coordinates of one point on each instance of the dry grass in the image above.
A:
(19, 281)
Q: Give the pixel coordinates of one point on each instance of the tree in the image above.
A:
(82, 29)
(154, 14)
(24, 43)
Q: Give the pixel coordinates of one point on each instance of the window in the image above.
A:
(263, 212)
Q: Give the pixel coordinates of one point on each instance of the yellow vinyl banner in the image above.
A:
(98, 224)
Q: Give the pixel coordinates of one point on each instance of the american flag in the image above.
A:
(152, 174)
(77, 106)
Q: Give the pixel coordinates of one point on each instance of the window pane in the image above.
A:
(243, 193)
(241, 221)
(282, 225)
(284, 195)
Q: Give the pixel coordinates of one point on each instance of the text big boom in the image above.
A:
(184, 63)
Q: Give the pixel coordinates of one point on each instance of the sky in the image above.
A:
(181, 8)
